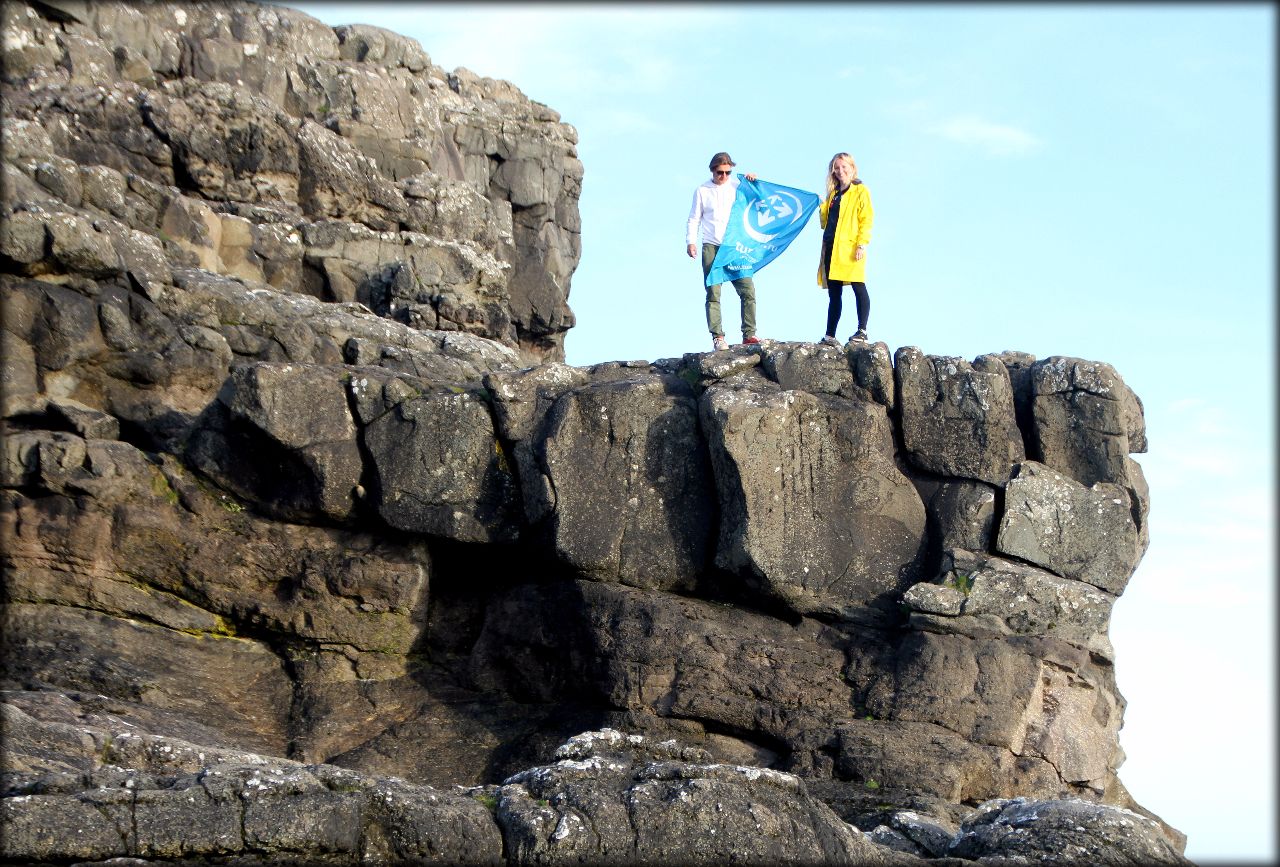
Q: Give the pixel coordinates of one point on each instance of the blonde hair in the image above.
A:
(831, 168)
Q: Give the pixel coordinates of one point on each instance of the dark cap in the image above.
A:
(720, 159)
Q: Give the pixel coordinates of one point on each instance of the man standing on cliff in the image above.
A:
(708, 218)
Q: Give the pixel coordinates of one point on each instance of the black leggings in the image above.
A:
(835, 289)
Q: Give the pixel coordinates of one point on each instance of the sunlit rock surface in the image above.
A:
(306, 524)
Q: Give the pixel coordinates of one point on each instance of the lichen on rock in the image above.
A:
(315, 549)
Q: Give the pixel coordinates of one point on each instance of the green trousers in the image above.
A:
(746, 292)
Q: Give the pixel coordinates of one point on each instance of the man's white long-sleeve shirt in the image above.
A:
(709, 215)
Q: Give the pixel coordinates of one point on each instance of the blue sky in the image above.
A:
(1084, 180)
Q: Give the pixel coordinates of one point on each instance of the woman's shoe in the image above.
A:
(859, 335)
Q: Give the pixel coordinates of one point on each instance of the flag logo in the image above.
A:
(768, 217)
(765, 218)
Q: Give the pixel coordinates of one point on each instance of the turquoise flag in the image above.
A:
(765, 219)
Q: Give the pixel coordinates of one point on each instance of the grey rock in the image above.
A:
(962, 514)
(958, 418)
(629, 802)
(23, 237)
(887, 759)
(1069, 831)
(1087, 420)
(721, 365)
(983, 596)
(810, 367)
(174, 575)
(264, 812)
(813, 507)
(105, 189)
(631, 480)
(1037, 699)
(286, 440)
(437, 467)
(667, 655)
(85, 421)
(521, 400)
(883, 835)
(941, 599)
(142, 256)
(932, 835)
(1078, 532)
(232, 144)
(873, 371)
(336, 179)
(264, 107)
(76, 245)
(241, 682)
(61, 177)
(375, 45)
(267, 325)
(42, 827)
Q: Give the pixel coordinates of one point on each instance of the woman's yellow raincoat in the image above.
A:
(853, 227)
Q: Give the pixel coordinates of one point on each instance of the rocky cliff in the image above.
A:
(315, 549)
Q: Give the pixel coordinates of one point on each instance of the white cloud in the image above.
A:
(994, 138)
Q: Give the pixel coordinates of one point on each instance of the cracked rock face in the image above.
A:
(611, 799)
(631, 482)
(305, 524)
(1082, 533)
(257, 143)
(1062, 832)
(786, 463)
(957, 416)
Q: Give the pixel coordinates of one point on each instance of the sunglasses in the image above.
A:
(725, 172)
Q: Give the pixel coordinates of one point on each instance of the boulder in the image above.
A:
(1087, 420)
(983, 596)
(958, 418)
(873, 371)
(615, 799)
(283, 437)
(437, 467)
(962, 515)
(1069, 831)
(630, 476)
(892, 761)
(915, 834)
(521, 400)
(1083, 533)
(810, 367)
(813, 509)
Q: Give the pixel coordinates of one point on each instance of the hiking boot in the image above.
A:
(719, 343)
(750, 341)
(830, 341)
(859, 335)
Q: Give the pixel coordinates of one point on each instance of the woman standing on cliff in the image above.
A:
(845, 217)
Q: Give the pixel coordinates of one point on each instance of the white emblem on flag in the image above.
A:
(770, 216)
